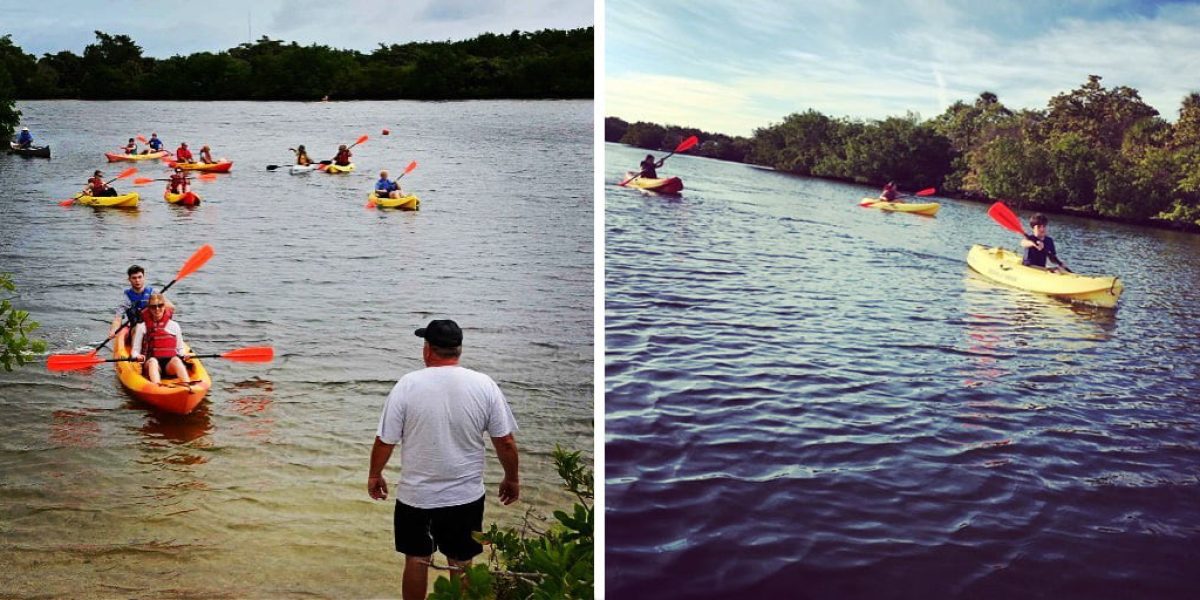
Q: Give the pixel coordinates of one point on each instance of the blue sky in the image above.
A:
(732, 66)
(164, 29)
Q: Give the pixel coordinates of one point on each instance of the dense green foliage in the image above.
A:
(11, 69)
(557, 564)
(15, 328)
(1092, 150)
(542, 64)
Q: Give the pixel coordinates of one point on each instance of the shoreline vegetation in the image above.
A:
(1093, 151)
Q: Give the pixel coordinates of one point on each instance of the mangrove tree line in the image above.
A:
(1095, 150)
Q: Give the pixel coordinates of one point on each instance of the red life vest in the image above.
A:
(342, 158)
(97, 185)
(157, 342)
(178, 182)
(183, 155)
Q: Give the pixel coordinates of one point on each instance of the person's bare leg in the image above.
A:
(456, 574)
(176, 368)
(152, 370)
(416, 577)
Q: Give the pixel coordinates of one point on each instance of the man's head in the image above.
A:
(383, 174)
(137, 277)
(443, 337)
(97, 173)
(24, 129)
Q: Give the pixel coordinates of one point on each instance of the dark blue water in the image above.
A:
(807, 399)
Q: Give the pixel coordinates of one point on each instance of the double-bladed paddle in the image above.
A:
(1009, 220)
(684, 145)
(409, 169)
(124, 174)
(74, 362)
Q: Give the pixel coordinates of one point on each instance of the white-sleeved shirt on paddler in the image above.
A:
(441, 417)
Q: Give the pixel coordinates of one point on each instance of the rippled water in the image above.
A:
(807, 399)
(261, 492)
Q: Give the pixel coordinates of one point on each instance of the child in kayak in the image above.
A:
(342, 158)
(96, 187)
(155, 144)
(131, 147)
(386, 188)
(889, 193)
(302, 158)
(178, 183)
(182, 154)
(650, 168)
(206, 155)
(1039, 246)
(158, 342)
(25, 140)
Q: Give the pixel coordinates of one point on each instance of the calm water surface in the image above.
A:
(261, 492)
(806, 399)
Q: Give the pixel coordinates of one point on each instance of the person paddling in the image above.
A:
(158, 342)
(97, 188)
(155, 144)
(133, 300)
(889, 193)
(178, 183)
(206, 155)
(25, 139)
(650, 168)
(1039, 246)
(130, 147)
(182, 154)
(386, 188)
(342, 159)
(302, 158)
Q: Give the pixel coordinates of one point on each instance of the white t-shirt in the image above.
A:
(139, 331)
(439, 416)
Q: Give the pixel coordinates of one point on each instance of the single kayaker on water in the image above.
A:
(182, 154)
(25, 139)
(133, 300)
(440, 415)
(1039, 246)
(178, 183)
(650, 168)
(342, 158)
(386, 188)
(889, 193)
(206, 155)
(96, 187)
(131, 147)
(302, 158)
(158, 342)
(155, 144)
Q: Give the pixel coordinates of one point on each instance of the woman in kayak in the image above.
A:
(96, 187)
(206, 155)
(131, 147)
(158, 342)
(1039, 246)
(889, 193)
(342, 158)
(182, 154)
(386, 188)
(302, 158)
(25, 140)
(650, 168)
(178, 183)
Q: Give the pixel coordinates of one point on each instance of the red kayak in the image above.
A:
(217, 167)
(670, 185)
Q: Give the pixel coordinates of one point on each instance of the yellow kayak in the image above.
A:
(119, 157)
(338, 168)
(921, 208)
(129, 200)
(410, 202)
(1004, 266)
(169, 395)
(187, 199)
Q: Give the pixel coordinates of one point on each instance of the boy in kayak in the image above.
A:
(650, 168)
(889, 193)
(25, 140)
(131, 147)
(1039, 246)
(133, 300)
(302, 158)
(342, 158)
(158, 342)
(155, 144)
(178, 183)
(182, 154)
(96, 187)
(206, 155)
(386, 188)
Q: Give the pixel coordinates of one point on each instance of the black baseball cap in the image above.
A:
(442, 333)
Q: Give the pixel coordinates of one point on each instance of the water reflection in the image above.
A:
(158, 426)
(75, 428)
(253, 398)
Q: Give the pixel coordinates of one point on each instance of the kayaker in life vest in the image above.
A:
(96, 187)
(206, 155)
(889, 193)
(133, 300)
(650, 168)
(302, 158)
(1039, 246)
(131, 147)
(155, 144)
(342, 158)
(178, 183)
(25, 139)
(182, 154)
(386, 188)
(158, 342)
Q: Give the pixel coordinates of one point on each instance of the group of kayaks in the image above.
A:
(131, 200)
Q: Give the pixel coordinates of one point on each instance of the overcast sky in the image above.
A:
(164, 29)
(731, 66)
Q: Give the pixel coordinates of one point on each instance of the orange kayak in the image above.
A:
(169, 395)
(217, 167)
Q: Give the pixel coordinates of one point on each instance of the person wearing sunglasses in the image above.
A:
(158, 342)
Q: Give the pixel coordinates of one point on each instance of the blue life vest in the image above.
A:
(139, 301)
(156, 144)
(385, 185)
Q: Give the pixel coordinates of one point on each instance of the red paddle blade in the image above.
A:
(127, 173)
(67, 202)
(71, 362)
(360, 140)
(1006, 218)
(207, 176)
(251, 354)
(142, 181)
(688, 143)
(142, 139)
(926, 192)
(411, 166)
(199, 257)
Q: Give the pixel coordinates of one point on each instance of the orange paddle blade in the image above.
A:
(68, 201)
(409, 169)
(71, 362)
(926, 192)
(199, 257)
(126, 173)
(360, 140)
(142, 139)
(688, 143)
(142, 181)
(251, 354)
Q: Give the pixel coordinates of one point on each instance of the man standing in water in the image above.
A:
(440, 414)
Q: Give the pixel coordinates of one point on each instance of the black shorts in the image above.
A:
(163, 361)
(419, 531)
